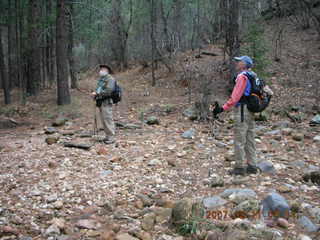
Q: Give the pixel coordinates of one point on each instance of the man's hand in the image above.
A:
(217, 110)
(93, 95)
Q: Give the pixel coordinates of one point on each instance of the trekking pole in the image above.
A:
(95, 123)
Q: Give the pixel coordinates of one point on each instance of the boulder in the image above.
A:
(266, 167)
(315, 119)
(213, 202)
(275, 205)
(182, 211)
(307, 224)
(148, 222)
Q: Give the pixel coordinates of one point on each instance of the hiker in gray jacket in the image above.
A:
(102, 95)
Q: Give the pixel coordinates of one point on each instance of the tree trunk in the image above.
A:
(153, 42)
(12, 46)
(34, 53)
(62, 53)
(73, 76)
(4, 74)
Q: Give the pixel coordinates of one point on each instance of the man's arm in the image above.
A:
(237, 92)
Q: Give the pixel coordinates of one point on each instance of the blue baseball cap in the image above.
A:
(247, 60)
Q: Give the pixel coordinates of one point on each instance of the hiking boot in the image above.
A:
(252, 169)
(238, 171)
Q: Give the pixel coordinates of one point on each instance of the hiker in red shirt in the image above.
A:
(244, 135)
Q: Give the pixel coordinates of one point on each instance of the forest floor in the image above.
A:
(51, 191)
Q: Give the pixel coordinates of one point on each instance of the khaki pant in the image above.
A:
(244, 138)
(107, 119)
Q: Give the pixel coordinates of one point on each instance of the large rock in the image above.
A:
(213, 202)
(163, 215)
(307, 224)
(148, 222)
(315, 213)
(239, 195)
(275, 205)
(317, 139)
(182, 211)
(315, 119)
(313, 176)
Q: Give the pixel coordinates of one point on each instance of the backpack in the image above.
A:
(258, 100)
(116, 94)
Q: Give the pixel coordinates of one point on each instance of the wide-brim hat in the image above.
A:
(106, 66)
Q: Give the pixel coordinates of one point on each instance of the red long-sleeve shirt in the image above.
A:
(237, 93)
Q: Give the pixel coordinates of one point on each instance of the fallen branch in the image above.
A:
(209, 54)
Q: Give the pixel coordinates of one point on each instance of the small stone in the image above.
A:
(284, 189)
(125, 236)
(52, 164)
(52, 198)
(287, 131)
(58, 204)
(88, 224)
(189, 134)
(283, 223)
(58, 122)
(59, 222)
(142, 235)
(172, 162)
(50, 130)
(298, 137)
(102, 151)
(52, 139)
(108, 235)
(154, 162)
(138, 204)
(190, 113)
(166, 203)
(266, 167)
(148, 222)
(52, 230)
(147, 201)
(153, 121)
(105, 173)
(217, 182)
(229, 157)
